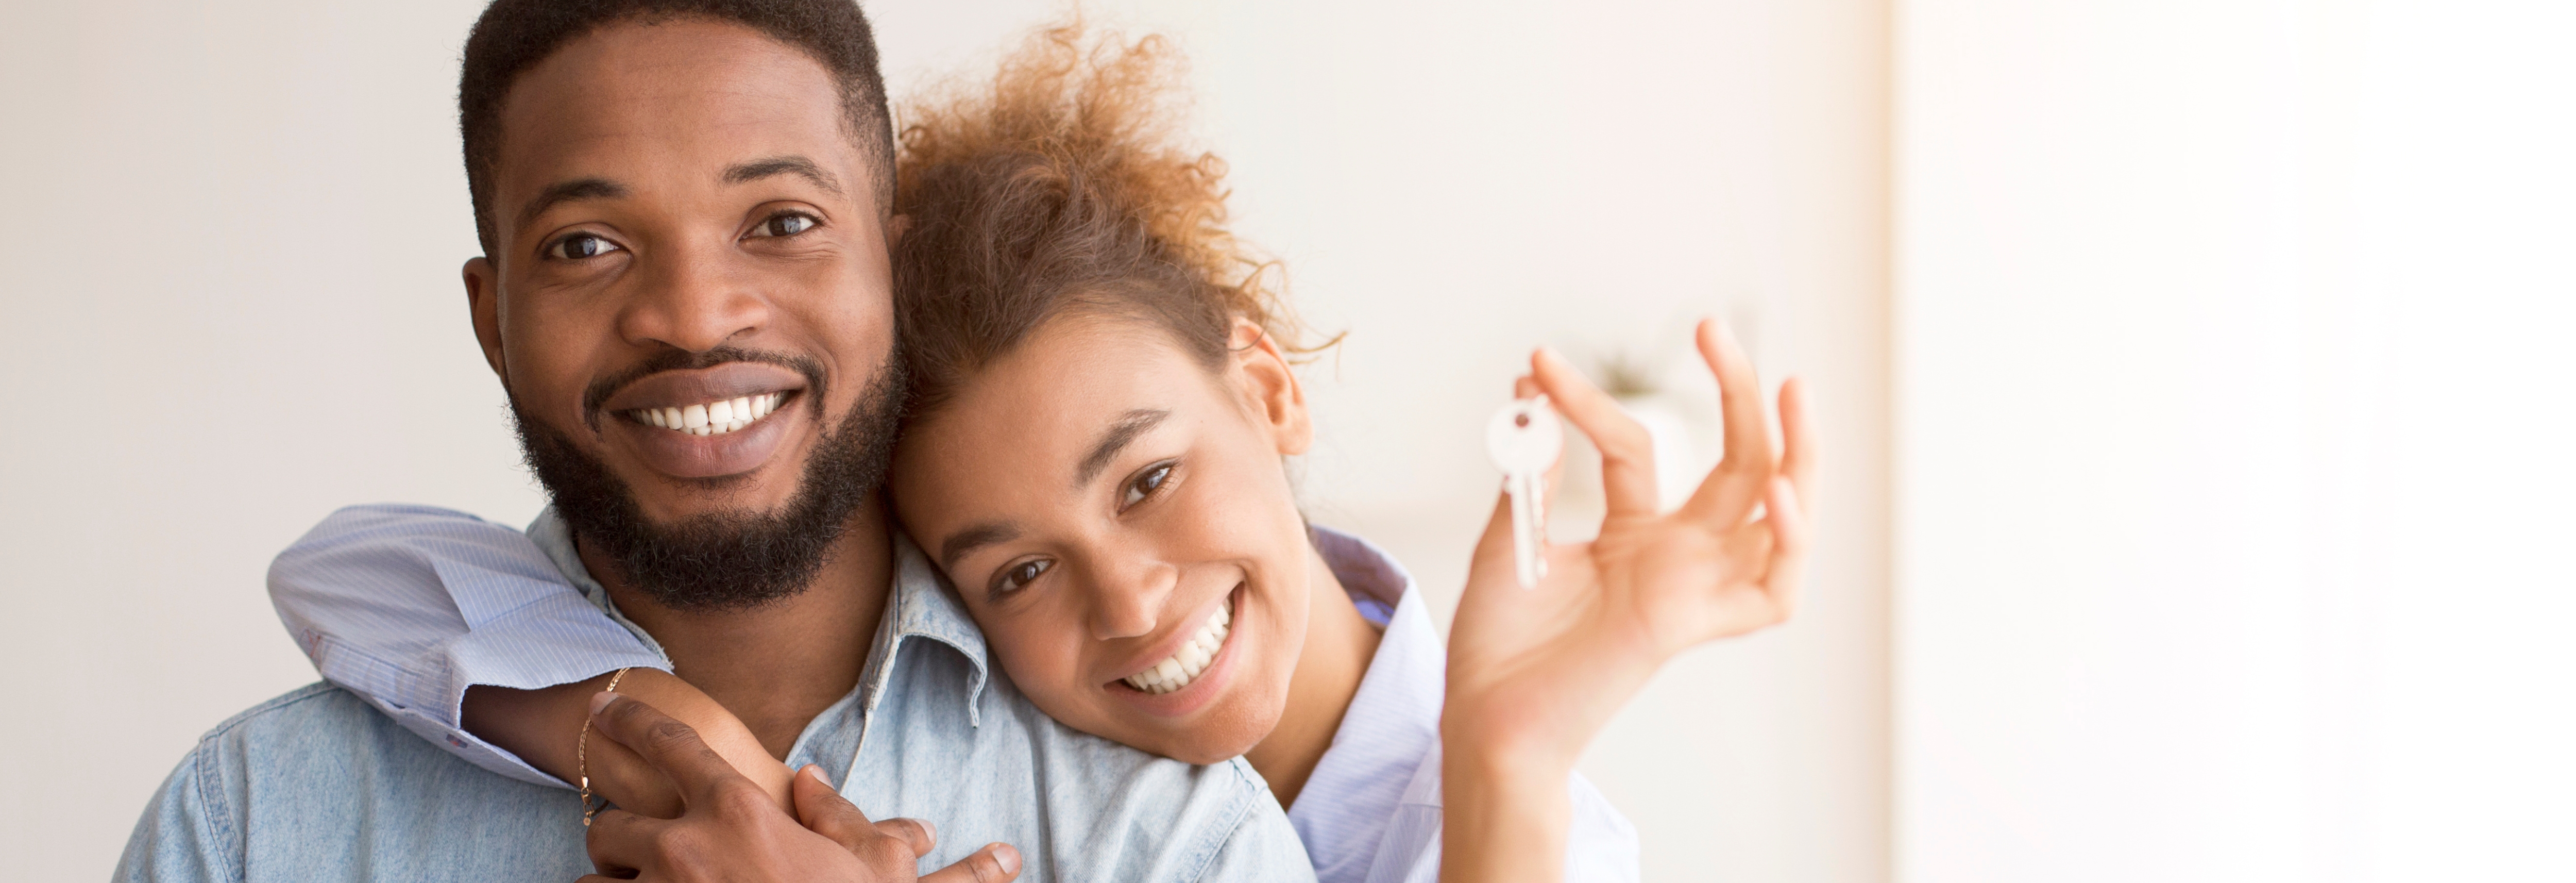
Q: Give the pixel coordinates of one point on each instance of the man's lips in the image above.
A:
(703, 423)
(702, 386)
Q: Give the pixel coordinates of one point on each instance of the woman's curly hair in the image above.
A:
(1061, 185)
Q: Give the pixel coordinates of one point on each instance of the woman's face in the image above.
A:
(1116, 518)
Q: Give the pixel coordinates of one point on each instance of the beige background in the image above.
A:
(2195, 377)
(236, 228)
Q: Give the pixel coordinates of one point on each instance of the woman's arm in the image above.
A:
(1535, 673)
(545, 728)
(465, 633)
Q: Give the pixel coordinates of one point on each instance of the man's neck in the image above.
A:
(778, 665)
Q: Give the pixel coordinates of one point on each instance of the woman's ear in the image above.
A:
(1269, 386)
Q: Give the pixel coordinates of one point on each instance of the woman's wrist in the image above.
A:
(717, 727)
(1504, 814)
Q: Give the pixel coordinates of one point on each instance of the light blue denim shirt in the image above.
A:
(317, 785)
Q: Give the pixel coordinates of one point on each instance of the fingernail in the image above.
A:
(929, 829)
(600, 700)
(1007, 857)
(814, 771)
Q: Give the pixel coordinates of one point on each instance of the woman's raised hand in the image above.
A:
(1534, 673)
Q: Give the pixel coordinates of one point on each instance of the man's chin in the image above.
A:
(727, 542)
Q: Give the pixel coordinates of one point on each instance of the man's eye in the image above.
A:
(784, 224)
(1016, 576)
(1145, 484)
(580, 245)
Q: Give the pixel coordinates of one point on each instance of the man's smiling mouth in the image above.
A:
(1195, 655)
(711, 418)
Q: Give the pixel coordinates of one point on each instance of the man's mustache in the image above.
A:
(599, 392)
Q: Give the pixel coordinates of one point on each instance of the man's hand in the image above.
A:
(729, 829)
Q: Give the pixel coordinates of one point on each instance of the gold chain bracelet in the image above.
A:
(581, 754)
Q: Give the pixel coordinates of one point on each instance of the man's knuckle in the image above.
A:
(886, 853)
(735, 798)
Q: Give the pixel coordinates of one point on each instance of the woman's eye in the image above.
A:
(580, 245)
(784, 224)
(1145, 484)
(1012, 578)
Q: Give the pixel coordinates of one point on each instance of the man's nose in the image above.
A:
(1129, 594)
(693, 299)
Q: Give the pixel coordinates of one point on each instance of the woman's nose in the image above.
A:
(1129, 599)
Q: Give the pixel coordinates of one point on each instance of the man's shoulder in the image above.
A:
(316, 785)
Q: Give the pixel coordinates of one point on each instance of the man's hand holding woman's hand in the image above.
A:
(1535, 673)
(730, 829)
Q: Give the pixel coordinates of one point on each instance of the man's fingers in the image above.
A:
(823, 810)
(914, 833)
(621, 842)
(666, 744)
(994, 863)
(1627, 452)
(1730, 491)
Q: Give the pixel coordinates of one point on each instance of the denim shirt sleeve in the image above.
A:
(177, 840)
(407, 606)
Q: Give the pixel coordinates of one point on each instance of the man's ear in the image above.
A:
(483, 299)
(1270, 386)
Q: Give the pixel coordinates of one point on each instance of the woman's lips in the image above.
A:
(1198, 691)
(1197, 652)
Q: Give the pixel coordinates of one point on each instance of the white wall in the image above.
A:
(2233, 419)
(237, 228)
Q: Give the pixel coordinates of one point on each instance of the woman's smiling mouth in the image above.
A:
(1195, 655)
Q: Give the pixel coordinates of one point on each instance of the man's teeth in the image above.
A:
(1185, 666)
(712, 418)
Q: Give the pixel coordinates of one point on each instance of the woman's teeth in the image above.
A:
(712, 418)
(1185, 666)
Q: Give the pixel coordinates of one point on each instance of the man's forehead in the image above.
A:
(690, 98)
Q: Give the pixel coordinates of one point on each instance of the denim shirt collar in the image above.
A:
(921, 605)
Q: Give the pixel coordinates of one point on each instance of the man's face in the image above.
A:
(685, 228)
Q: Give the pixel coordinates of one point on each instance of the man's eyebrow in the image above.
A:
(972, 538)
(757, 169)
(1128, 427)
(568, 191)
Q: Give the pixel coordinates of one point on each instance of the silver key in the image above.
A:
(1525, 439)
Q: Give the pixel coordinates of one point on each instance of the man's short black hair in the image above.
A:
(514, 35)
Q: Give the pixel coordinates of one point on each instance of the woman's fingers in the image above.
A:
(1627, 452)
(1729, 492)
(1790, 532)
(1798, 440)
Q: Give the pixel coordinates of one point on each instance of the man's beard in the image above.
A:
(728, 560)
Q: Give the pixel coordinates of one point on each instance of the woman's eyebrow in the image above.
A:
(970, 539)
(1132, 424)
